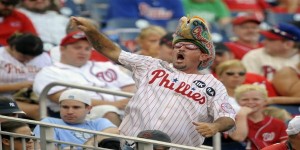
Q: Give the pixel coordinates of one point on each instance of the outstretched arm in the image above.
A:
(98, 40)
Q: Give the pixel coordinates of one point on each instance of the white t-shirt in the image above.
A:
(51, 26)
(99, 74)
(259, 62)
(13, 71)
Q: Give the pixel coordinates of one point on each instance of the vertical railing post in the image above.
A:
(217, 141)
(46, 133)
(145, 146)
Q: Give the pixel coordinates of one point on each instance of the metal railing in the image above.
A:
(46, 140)
(43, 102)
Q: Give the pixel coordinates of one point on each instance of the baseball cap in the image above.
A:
(73, 37)
(167, 39)
(8, 106)
(245, 18)
(195, 30)
(154, 135)
(77, 95)
(282, 31)
(294, 126)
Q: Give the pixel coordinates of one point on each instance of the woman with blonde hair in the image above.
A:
(148, 40)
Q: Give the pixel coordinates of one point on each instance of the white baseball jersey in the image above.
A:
(13, 71)
(170, 100)
(259, 62)
(100, 74)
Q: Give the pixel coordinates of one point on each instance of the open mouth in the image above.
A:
(180, 56)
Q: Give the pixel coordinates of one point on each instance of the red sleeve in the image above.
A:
(263, 4)
(27, 25)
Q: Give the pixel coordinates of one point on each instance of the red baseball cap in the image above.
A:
(73, 37)
(245, 18)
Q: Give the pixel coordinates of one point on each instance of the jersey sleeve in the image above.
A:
(219, 105)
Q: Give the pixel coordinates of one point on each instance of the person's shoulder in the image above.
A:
(52, 120)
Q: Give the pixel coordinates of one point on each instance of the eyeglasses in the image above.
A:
(233, 73)
(26, 139)
(187, 46)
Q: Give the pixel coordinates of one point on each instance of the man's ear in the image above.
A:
(204, 57)
(5, 141)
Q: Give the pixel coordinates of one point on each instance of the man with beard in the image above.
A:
(49, 24)
(178, 100)
(246, 29)
(12, 21)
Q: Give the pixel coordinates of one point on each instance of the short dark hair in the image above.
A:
(26, 43)
(11, 126)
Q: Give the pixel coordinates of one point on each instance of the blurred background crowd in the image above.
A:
(256, 41)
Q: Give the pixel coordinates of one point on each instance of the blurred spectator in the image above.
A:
(287, 6)
(75, 67)
(293, 132)
(252, 126)
(148, 40)
(8, 107)
(50, 24)
(287, 81)
(279, 50)
(232, 74)
(155, 135)
(246, 30)
(157, 12)
(74, 106)
(211, 10)
(166, 48)
(12, 21)
(223, 54)
(19, 128)
(256, 7)
(20, 62)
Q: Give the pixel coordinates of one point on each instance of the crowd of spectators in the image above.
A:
(257, 61)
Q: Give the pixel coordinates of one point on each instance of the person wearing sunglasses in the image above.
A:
(178, 100)
(12, 21)
(19, 128)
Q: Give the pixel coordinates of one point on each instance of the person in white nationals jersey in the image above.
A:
(178, 100)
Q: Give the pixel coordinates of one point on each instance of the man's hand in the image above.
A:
(83, 24)
(206, 129)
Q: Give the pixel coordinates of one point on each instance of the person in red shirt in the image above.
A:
(12, 21)
(252, 126)
(257, 7)
(292, 143)
(247, 32)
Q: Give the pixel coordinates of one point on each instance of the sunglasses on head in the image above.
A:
(233, 73)
(187, 46)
